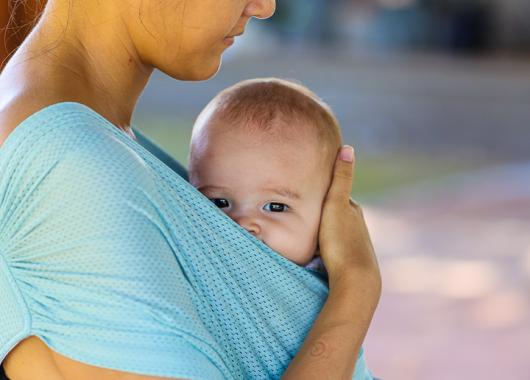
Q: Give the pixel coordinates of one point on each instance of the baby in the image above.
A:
(263, 151)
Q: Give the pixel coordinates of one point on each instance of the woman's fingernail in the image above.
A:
(346, 153)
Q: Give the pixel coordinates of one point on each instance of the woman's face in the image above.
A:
(186, 38)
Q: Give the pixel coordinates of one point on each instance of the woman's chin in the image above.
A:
(197, 72)
(206, 73)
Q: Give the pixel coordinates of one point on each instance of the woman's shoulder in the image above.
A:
(13, 113)
(61, 127)
(25, 112)
(63, 139)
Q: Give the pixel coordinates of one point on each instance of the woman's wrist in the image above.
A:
(354, 295)
(356, 278)
(333, 344)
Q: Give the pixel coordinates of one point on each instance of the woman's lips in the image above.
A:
(228, 41)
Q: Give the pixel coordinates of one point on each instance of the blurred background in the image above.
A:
(435, 97)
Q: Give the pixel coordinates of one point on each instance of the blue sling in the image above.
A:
(113, 259)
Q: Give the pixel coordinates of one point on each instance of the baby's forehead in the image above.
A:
(286, 147)
(280, 131)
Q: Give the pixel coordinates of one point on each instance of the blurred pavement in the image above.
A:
(456, 278)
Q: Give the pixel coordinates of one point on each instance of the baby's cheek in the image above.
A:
(297, 245)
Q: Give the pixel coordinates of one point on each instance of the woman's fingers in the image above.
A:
(342, 181)
(344, 241)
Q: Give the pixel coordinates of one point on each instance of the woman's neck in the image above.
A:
(66, 58)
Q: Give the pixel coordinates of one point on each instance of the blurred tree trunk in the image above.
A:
(17, 18)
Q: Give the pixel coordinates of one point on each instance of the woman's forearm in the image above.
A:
(333, 344)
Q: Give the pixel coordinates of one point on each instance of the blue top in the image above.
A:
(114, 260)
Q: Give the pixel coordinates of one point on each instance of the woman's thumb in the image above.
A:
(341, 184)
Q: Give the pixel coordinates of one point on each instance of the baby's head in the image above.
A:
(263, 151)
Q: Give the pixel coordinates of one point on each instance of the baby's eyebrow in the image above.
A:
(284, 192)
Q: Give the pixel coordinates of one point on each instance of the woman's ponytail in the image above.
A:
(17, 18)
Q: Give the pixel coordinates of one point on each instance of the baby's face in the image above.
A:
(274, 189)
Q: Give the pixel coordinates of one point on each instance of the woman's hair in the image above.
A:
(17, 18)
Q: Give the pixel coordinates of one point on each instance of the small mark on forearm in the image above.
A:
(319, 350)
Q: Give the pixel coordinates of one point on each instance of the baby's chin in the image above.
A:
(302, 261)
(296, 256)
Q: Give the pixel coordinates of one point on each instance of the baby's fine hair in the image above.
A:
(272, 105)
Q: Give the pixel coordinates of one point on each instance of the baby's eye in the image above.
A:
(275, 207)
(220, 202)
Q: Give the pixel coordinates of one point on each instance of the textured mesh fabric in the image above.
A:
(114, 260)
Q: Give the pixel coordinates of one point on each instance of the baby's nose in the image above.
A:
(250, 224)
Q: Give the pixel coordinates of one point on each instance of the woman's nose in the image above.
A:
(261, 8)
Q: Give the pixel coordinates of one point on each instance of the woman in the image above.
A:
(76, 187)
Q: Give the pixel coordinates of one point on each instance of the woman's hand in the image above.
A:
(332, 347)
(345, 244)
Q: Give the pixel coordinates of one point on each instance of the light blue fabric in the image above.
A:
(114, 260)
